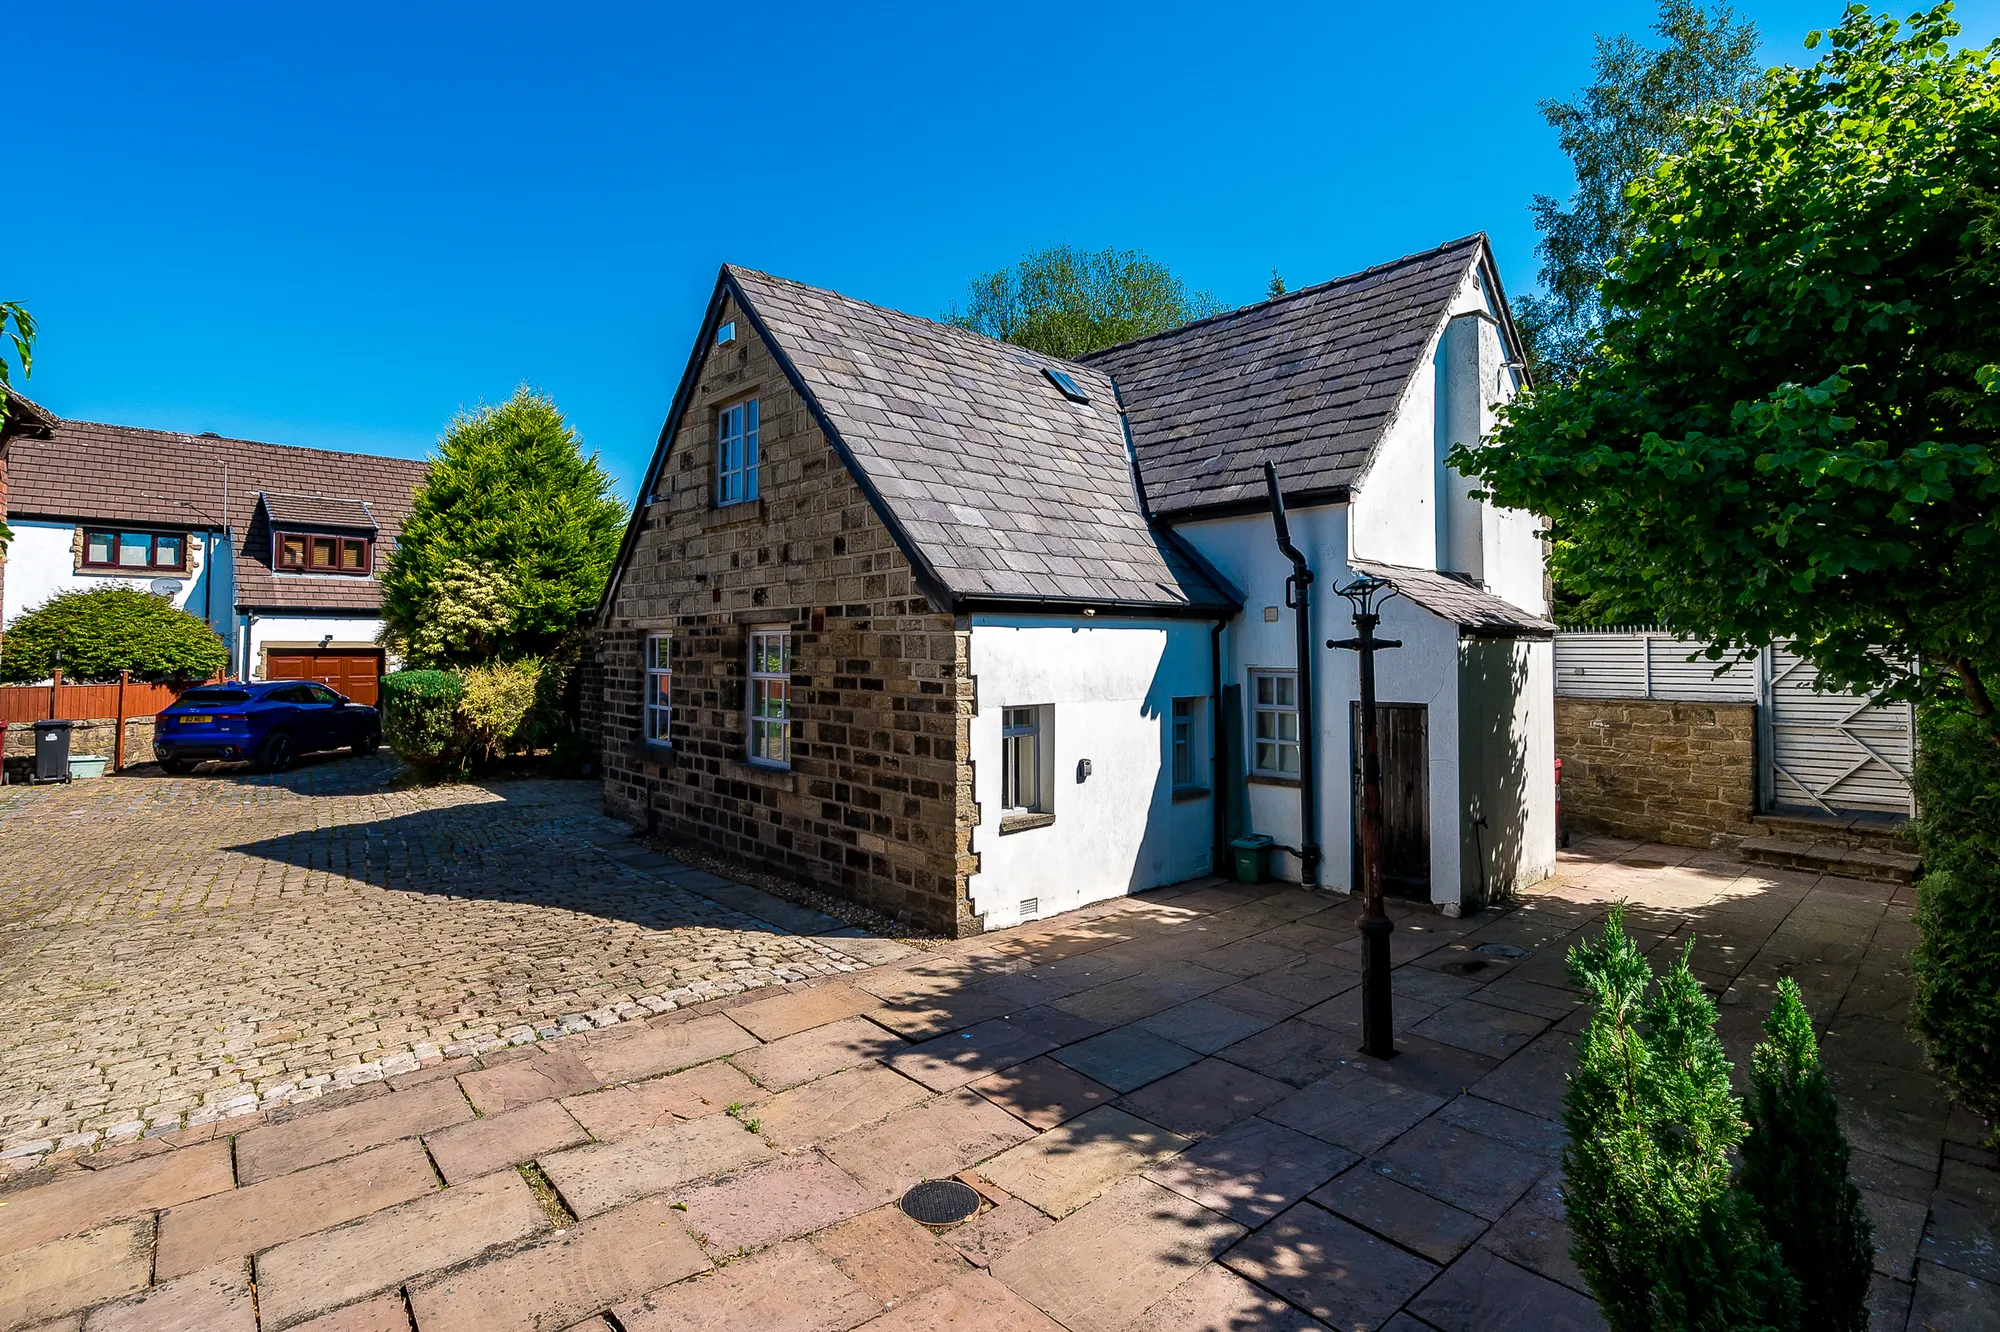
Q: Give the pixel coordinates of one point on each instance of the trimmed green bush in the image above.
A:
(1956, 964)
(497, 706)
(1661, 1234)
(1795, 1167)
(104, 630)
(420, 715)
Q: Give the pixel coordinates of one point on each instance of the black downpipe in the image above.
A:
(1298, 597)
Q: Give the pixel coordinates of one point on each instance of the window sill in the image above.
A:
(1013, 823)
(652, 751)
(763, 774)
(1184, 793)
(1260, 779)
(730, 515)
(127, 571)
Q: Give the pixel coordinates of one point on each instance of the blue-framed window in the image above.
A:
(736, 453)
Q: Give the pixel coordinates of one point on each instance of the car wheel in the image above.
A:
(369, 743)
(276, 756)
(178, 767)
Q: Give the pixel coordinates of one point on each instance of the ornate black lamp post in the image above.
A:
(1378, 1037)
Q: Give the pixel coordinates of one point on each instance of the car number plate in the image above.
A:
(196, 721)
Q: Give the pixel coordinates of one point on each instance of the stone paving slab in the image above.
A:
(1419, 1194)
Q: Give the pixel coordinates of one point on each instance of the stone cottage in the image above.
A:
(975, 635)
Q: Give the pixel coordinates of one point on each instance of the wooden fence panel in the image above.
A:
(21, 704)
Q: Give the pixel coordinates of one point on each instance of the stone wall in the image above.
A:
(877, 803)
(96, 736)
(1678, 773)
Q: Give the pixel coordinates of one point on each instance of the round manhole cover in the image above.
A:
(1503, 950)
(940, 1202)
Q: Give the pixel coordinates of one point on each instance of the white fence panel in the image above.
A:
(1641, 664)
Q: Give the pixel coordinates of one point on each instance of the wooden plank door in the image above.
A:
(1403, 732)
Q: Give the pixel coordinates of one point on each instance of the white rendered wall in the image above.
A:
(260, 631)
(1510, 751)
(1108, 688)
(42, 562)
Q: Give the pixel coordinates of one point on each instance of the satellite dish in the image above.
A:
(166, 587)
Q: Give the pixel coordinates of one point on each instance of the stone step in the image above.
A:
(1864, 832)
(1831, 858)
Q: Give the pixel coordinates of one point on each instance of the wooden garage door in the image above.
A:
(355, 672)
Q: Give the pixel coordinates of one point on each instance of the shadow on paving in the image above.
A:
(1162, 1103)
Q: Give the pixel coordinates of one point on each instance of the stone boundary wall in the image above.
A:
(93, 736)
(1678, 773)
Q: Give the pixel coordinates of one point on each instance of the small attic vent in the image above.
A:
(726, 334)
(1065, 385)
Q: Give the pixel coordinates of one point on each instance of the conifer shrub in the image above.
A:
(420, 716)
(495, 712)
(1660, 1232)
(1956, 963)
(1795, 1167)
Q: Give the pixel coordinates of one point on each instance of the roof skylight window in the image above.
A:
(1065, 385)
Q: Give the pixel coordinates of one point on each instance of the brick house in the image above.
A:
(277, 548)
(974, 635)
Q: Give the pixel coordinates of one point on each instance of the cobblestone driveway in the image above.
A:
(174, 949)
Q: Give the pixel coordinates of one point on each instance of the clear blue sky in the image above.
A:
(335, 225)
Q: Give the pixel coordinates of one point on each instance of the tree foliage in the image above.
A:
(1795, 1167)
(1955, 966)
(101, 631)
(17, 327)
(1790, 429)
(1659, 1230)
(1064, 301)
(510, 501)
(1635, 111)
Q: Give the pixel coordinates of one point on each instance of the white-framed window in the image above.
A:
(659, 688)
(1021, 759)
(1189, 743)
(771, 699)
(1274, 729)
(736, 453)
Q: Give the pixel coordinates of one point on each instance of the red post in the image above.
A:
(118, 745)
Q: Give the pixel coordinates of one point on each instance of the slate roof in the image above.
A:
(86, 471)
(318, 511)
(1309, 380)
(1478, 613)
(1000, 485)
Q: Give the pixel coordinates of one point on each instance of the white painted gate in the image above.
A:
(1842, 753)
(1837, 752)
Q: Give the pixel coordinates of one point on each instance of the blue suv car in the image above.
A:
(268, 724)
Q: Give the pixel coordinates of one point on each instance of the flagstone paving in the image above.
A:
(1158, 1098)
(175, 950)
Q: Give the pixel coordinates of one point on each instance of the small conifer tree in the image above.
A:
(1661, 1233)
(1795, 1166)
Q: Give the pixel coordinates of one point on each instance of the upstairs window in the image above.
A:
(659, 689)
(736, 453)
(311, 552)
(1274, 729)
(134, 551)
(771, 699)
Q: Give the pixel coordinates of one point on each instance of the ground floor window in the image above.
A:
(1021, 759)
(771, 698)
(1189, 742)
(659, 688)
(1274, 730)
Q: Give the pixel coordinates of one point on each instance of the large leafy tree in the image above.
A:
(1635, 111)
(510, 502)
(17, 326)
(1792, 426)
(1068, 302)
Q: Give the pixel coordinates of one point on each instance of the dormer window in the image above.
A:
(315, 552)
(736, 453)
